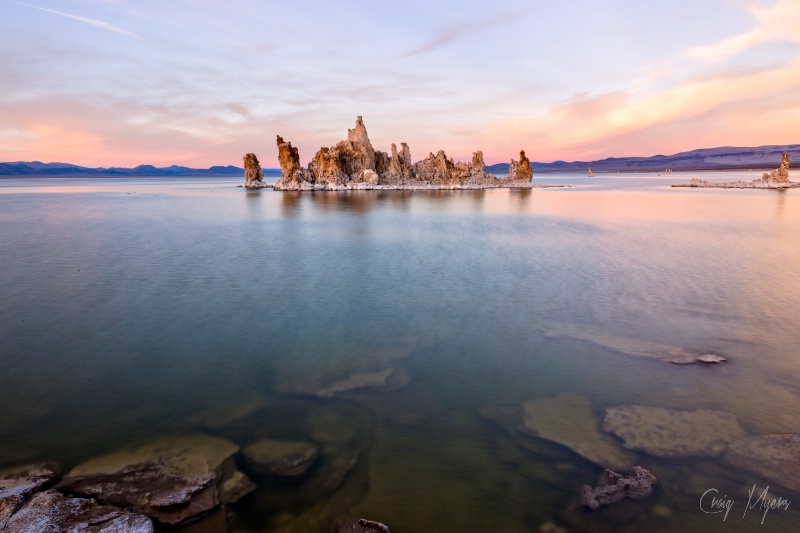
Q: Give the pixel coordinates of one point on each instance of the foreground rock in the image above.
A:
(280, 458)
(775, 179)
(52, 511)
(355, 164)
(613, 487)
(568, 420)
(668, 433)
(773, 457)
(172, 480)
(253, 176)
(17, 485)
(362, 525)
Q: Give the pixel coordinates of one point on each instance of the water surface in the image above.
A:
(134, 308)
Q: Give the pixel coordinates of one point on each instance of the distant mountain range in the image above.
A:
(723, 158)
(38, 168)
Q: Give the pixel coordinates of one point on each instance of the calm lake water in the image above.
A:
(136, 308)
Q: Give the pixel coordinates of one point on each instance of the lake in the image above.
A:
(137, 308)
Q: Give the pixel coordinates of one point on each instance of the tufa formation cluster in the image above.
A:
(354, 163)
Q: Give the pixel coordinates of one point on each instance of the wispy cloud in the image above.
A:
(90, 21)
(776, 23)
(458, 30)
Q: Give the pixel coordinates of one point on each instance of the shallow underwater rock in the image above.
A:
(18, 484)
(568, 420)
(629, 345)
(773, 457)
(280, 458)
(221, 417)
(171, 479)
(669, 433)
(691, 359)
(253, 176)
(613, 487)
(324, 385)
(52, 511)
(551, 527)
(387, 379)
(362, 525)
(336, 424)
(336, 466)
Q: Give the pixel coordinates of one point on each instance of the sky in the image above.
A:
(202, 82)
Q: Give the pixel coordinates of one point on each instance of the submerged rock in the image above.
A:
(362, 525)
(388, 379)
(18, 484)
(613, 487)
(668, 433)
(52, 511)
(328, 385)
(630, 346)
(280, 458)
(692, 358)
(253, 176)
(568, 420)
(551, 527)
(773, 457)
(172, 479)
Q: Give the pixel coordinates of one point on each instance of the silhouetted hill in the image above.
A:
(28, 168)
(722, 158)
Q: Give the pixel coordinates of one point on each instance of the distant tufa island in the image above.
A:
(354, 164)
(775, 179)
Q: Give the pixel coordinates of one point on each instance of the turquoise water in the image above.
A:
(134, 308)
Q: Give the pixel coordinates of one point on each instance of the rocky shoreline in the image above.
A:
(191, 479)
(353, 164)
(166, 484)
